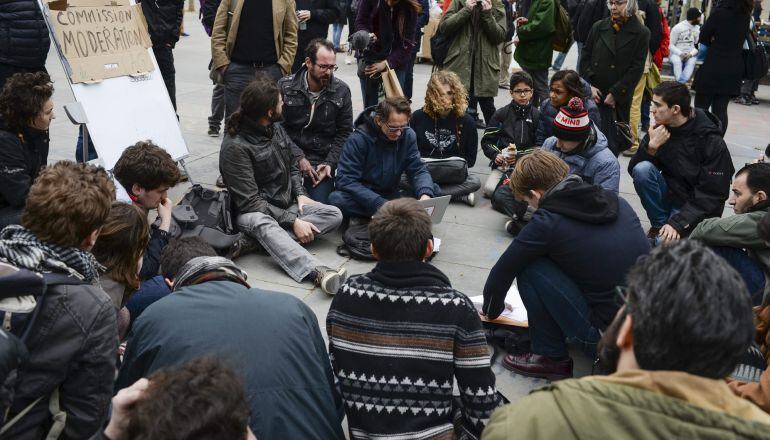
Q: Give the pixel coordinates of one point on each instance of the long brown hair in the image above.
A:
(433, 102)
(122, 242)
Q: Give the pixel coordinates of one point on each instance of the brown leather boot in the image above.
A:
(535, 365)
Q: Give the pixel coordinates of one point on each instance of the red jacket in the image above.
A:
(662, 51)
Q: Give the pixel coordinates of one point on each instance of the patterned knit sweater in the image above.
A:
(398, 338)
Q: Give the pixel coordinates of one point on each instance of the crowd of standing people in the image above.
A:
(100, 304)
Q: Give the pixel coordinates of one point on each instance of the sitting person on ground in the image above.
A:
(735, 238)
(271, 205)
(566, 261)
(26, 112)
(683, 52)
(577, 141)
(514, 124)
(380, 150)
(74, 338)
(146, 172)
(318, 117)
(667, 365)
(270, 339)
(683, 168)
(200, 399)
(120, 250)
(421, 337)
(445, 130)
(565, 85)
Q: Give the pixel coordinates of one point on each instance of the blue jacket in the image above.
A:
(370, 166)
(595, 164)
(548, 113)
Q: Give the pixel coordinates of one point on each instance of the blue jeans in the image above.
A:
(651, 187)
(321, 192)
(79, 148)
(749, 269)
(337, 34)
(370, 88)
(682, 71)
(348, 205)
(556, 309)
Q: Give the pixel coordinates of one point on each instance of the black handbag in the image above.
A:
(754, 59)
(623, 136)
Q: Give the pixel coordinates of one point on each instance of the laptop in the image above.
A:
(436, 207)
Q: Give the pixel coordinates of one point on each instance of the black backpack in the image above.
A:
(356, 242)
(205, 213)
(439, 47)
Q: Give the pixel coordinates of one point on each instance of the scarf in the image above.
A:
(202, 269)
(617, 24)
(20, 247)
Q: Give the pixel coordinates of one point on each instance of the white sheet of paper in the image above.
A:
(513, 299)
(120, 193)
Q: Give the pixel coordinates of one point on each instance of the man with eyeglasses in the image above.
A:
(684, 327)
(380, 150)
(318, 116)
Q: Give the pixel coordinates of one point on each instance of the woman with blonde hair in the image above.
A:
(444, 130)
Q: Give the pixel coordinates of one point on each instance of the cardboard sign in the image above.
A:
(101, 39)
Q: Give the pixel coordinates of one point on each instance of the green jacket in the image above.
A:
(738, 231)
(534, 50)
(635, 405)
(458, 21)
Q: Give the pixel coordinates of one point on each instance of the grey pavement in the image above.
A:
(472, 238)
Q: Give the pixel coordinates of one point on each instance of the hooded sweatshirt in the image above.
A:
(371, 165)
(594, 237)
(594, 162)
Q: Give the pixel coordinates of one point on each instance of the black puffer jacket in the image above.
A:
(260, 172)
(318, 131)
(73, 347)
(21, 157)
(164, 20)
(508, 127)
(24, 40)
(697, 167)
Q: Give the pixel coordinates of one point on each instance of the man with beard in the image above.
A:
(270, 203)
(736, 238)
(318, 117)
(685, 325)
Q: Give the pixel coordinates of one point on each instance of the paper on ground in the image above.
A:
(514, 307)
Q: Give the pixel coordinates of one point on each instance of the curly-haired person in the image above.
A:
(444, 130)
(26, 112)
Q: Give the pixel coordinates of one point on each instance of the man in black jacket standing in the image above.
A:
(164, 20)
(313, 20)
(25, 42)
(566, 261)
(682, 170)
(318, 117)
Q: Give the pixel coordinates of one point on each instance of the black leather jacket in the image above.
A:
(164, 20)
(259, 171)
(317, 133)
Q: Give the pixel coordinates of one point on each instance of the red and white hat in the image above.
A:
(572, 123)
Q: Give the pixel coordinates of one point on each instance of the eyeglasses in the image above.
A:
(395, 129)
(332, 67)
(618, 4)
(521, 91)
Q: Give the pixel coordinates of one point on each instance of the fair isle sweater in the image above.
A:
(398, 338)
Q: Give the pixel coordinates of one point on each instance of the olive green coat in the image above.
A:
(534, 49)
(458, 21)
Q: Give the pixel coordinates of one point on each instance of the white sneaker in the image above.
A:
(348, 60)
(330, 280)
(469, 199)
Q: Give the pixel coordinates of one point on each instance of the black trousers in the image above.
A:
(165, 57)
(716, 104)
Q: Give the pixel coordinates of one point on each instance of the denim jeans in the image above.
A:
(651, 187)
(749, 269)
(556, 309)
(79, 148)
(238, 76)
(682, 71)
(337, 34)
(370, 88)
(559, 60)
(349, 206)
(282, 245)
(321, 192)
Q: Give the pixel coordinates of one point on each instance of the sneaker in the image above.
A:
(244, 245)
(754, 100)
(468, 199)
(348, 60)
(535, 365)
(630, 152)
(220, 182)
(743, 100)
(213, 132)
(330, 280)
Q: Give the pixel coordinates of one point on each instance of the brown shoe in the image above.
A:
(535, 365)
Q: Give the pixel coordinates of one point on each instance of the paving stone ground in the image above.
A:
(472, 238)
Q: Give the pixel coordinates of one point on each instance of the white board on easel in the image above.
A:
(123, 110)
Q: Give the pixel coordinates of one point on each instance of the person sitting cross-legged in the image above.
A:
(683, 168)
(377, 153)
(400, 336)
(736, 238)
(684, 326)
(271, 340)
(264, 182)
(567, 260)
(445, 130)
